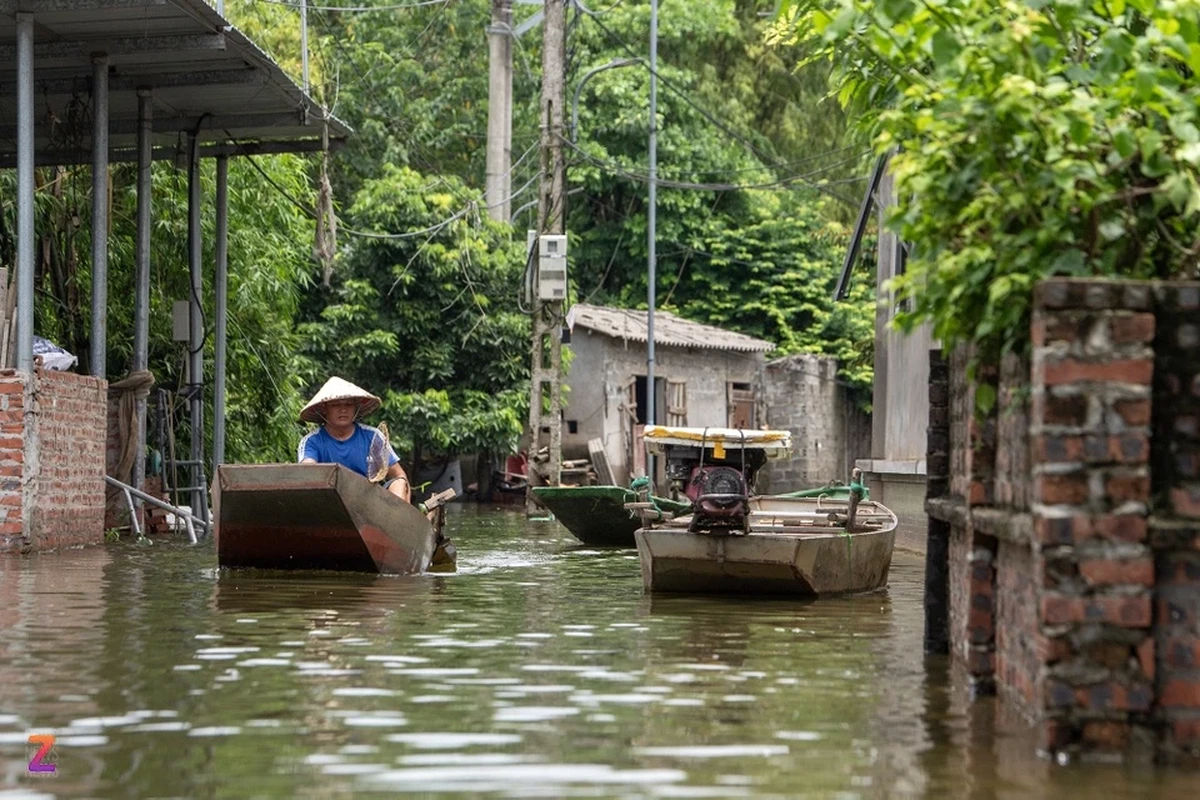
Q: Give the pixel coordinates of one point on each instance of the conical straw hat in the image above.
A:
(338, 389)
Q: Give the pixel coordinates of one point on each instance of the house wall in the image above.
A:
(829, 432)
(900, 401)
(895, 471)
(57, 499)
(602, 366)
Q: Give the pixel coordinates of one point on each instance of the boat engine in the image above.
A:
(720, 498)
(718, 487)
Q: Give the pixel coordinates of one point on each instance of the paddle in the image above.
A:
(445, 557)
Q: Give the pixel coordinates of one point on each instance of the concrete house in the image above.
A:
(895, 472)
(703, 376)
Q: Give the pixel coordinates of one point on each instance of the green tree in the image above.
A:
(428, 318)
(1059, 137)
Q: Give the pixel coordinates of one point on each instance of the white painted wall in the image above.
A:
(602, 366)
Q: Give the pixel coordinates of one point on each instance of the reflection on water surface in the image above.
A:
(539, 670)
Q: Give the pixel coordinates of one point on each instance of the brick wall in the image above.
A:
(1012, 477)
(1175, 527)
(72, 425)
(804, 396)
(1018, 666)
(12, 459)
(1093, 601)
(59, 499)
(1092, 370)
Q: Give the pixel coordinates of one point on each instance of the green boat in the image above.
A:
(596, 515)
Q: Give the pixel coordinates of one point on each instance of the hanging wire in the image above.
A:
(359, 9)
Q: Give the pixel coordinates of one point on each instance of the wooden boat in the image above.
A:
(316, 516)
(731, 541)
(596, 515)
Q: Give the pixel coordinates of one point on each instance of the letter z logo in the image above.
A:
(36, 764)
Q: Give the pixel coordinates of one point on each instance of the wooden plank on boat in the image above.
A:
(599, 458)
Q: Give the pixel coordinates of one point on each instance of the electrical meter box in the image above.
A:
(181, 315)
(552, 267)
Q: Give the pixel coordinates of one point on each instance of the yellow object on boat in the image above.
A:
(777, 444)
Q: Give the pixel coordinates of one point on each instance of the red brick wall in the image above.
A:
(1075, 517)
(1175, 484)
(72, 426)
(1092, 370)
(12, 459)
(961, 405)
(1012, 485)
(1018, 665)
(59, 500)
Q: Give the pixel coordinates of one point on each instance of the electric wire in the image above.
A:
(669, 183)
(724, 127)
(357, 9)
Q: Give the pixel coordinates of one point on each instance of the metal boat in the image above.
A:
(317, 516)
(596, 515)
(732, 541)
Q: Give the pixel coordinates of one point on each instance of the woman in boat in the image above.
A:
(342, 439)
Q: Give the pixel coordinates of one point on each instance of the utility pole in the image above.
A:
(548, 318)
(652, 217)
(499, 134)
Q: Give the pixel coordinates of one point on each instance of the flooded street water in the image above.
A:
(539, 670)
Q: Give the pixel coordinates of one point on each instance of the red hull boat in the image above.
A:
(316, 516)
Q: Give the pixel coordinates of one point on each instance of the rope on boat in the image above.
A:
(641, 484)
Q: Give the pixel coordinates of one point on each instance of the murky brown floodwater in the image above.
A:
(540, 670)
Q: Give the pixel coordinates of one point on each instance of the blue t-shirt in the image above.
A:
(352, 453)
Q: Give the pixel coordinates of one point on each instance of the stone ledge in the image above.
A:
(1174, 534)
(948, 509)
(1014, 527)
(887, 466)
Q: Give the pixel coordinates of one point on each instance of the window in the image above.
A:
(640, 402)
(676, 403)
(740, 404)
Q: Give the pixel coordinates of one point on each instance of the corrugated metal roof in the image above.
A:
(205, 74)
(624, 323)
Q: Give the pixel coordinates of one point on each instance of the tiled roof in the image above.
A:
(624, 323)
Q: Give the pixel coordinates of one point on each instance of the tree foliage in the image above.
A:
(428, 318)
(1031, 139)
(268, 266)
(770, 276)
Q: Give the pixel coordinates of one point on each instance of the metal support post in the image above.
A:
(220, 281)
(141, 303)
(25, 179)
(196, 330)
(99, 352)
(652, 214)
